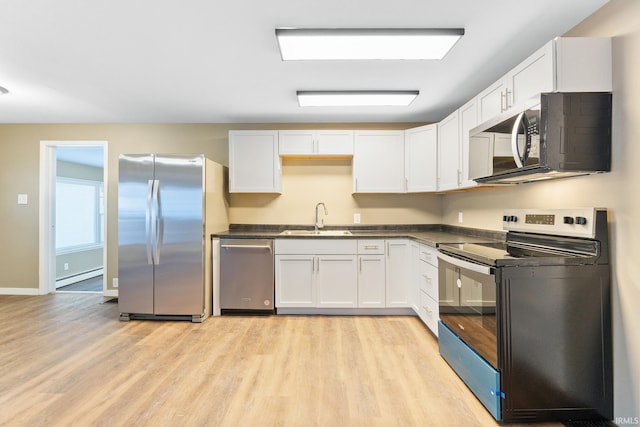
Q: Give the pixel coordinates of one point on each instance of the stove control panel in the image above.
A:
(579, 222)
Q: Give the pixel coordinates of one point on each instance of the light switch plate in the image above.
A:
(23, 199)
(460, 217)
(114, 282)
(356, 218)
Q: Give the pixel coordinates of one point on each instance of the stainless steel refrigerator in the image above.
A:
(168, 207)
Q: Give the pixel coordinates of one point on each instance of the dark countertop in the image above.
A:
(428, 234)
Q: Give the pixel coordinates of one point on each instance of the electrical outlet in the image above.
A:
(66, 266)
(356, 218)
(23, 199)
(114, 282)
(460, 218)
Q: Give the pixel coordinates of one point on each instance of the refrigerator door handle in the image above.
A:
(148, 221)
(155, 220)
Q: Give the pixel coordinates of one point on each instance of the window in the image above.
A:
(79, 214)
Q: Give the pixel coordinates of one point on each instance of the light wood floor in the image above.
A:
(66, 360)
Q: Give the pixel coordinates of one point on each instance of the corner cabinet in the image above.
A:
(420, 158)
(316, 143)
(254, 163)
(378, 162)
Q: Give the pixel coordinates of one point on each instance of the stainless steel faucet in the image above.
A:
(326, 212)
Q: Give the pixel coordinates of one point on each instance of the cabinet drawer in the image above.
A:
(373, 247)
(429, 312)
(429, 254)
(429, 279)
(316, 246)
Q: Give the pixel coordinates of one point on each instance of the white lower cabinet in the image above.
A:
(371, 274)
(295, 280)
(316, 273)
(415, 277)
(428, 284)
(398, 273)
(337, 279)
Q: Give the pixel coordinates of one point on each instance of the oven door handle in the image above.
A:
(478, 268)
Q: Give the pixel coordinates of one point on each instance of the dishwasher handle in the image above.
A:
(247, 247)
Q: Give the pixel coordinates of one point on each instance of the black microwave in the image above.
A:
(553, 135)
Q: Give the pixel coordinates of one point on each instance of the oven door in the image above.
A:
(467, 304)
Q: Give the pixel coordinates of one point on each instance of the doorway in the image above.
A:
(73, 216)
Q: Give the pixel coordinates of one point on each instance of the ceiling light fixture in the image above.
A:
(356, 98)
(366, 44)
(3, 90)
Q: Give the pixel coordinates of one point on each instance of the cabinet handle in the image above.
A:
(507, 93)
(427, 277)
(406, 184)
(360, 264)
(502, 97)
(459, 177)
(371, 246)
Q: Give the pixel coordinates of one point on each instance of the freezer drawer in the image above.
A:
(246, 276)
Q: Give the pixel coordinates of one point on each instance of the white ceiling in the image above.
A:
(217, 61)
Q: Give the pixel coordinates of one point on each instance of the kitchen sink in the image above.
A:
(315, 233)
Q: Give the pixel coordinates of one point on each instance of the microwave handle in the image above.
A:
(482, 269)
(514, 140)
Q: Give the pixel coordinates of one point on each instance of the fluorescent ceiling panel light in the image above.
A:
(378, 98)
(366, 44)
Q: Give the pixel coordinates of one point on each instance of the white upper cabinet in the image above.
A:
(378, 162)
(420, 158)
(254, 164)
(449, 172)
(316, 142)
(565, 64)
(468, 119)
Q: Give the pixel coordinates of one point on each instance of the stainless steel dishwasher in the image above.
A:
(246, 276)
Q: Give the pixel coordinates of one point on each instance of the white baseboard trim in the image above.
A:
(20, 291)
(79, 277)
(112, 293)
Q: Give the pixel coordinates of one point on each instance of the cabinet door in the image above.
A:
(296, 142)
(429, 312)
(371, 281)
(414, 283)
(449, 152)
(337, 281)
(295, 284)
(254, 164)
(532, 76)
(398, 273)
(491, 101)
(468, 119)
(421, 158)
(378, 162)
(334, 142)
(481, 155)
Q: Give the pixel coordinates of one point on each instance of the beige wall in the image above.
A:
(304, 185)
(307, 182)
(617, 191)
